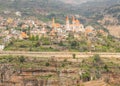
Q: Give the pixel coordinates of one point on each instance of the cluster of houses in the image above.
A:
(23, 28)
(75, 27)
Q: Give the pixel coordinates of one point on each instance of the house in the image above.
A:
(23, 35)
(2, 47)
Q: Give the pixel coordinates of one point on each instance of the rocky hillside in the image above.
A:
(27, 71)
(114, 11)
(28, 4)
(95, 6)
(34, 7)
(111, 20)
(105, 13)
(86, 6)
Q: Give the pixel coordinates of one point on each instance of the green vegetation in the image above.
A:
(47, 64)
(44, 77)
(92, 68)
(74, 56)
(85, 76)
(28, 45)
(34, 43)
(21, 59)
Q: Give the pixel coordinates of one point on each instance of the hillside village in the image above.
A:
(59, 42)
(43, 24)
(23, 29)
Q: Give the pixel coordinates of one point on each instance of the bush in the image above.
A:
(74, 44)
(86, 76)
(106, 68)
(96, 58)
(47, 64)
(63, 65)
(21, 59)
(9, 58)
(45, 41)
(61, 43)
(74, 56)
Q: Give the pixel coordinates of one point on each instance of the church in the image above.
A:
(74, 26)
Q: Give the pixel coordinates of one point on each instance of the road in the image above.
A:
(59, 54)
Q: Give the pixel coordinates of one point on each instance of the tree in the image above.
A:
(61, 43)
(32, 38)
(74, 44)
(37, 38)
(74, 56)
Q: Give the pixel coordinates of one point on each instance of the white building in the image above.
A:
(2, 47)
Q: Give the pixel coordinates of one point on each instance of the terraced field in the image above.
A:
(59, 69)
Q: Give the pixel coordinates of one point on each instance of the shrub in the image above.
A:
(9, 58)
(65, 60)
(63, 65)
(21, 59)
(74, 44)
(74, 56)
(61, 43)
(86, 76)
(47, 64)
(96, 58)
(106, 68)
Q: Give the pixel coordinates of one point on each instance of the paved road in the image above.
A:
(59, 54)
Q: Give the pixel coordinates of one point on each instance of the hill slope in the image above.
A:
(32, 5)
(94, 10)
(111, 20)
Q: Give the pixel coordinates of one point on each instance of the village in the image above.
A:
(23, 29)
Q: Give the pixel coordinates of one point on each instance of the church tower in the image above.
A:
(67, 23)
(53, 23)
(73, 23)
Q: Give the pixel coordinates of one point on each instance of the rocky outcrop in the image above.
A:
(47, 76)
